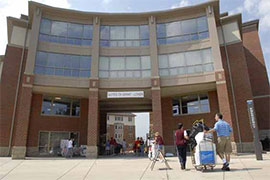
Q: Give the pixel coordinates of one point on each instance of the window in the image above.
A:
(62, 64)
(124, 36)
(118, 118)
(130, 128)
(189, 62)
(130, 119)
(60, 106)
(191, 104)
(50, 142)
(65, 33)
(181, 31)
(125, 67)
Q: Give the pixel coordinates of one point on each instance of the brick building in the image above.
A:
(183, 64)
(121, 126)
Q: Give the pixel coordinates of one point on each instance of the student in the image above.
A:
(124, 146)
(137, 145)
(141, 146)
(107, 147)
(224, 147)
(159, 146)
(70, 148)
(180, 142)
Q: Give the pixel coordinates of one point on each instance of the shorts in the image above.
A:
(224, 145)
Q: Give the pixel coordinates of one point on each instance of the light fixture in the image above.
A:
(57, 98)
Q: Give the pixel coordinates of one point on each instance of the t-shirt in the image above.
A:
(222, 128)
(159, 140)
(180, 137)
(70, 144)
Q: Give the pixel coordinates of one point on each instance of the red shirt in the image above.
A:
(159, 140)
(179, 137)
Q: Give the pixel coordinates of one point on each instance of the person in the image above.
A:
(159, 146)
(180, 142)
(141, 146)
(124, 146)
(224, 147)
(137, 146)
(70, 148)
(107, 147)
(112, 145)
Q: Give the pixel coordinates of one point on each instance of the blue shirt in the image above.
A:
(222, 128)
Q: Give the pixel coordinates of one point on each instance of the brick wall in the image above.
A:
(129, 140)
(242, 88)
(169, 122)
(8, 86)
(257, 74)
(40, 122)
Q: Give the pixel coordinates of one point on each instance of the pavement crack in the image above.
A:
(246, 169)
(11, 170)
(69, 170)
(91, 167)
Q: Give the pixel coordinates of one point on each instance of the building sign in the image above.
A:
(254, 128)
(126, 94)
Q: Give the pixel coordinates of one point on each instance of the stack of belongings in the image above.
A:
(197, 127)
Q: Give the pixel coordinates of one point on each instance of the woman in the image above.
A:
(180, 142)
(141, 146)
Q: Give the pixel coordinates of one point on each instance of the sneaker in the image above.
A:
(225, 166)
(182, 167)
(227, 169)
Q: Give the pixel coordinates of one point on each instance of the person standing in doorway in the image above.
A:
(124, 146)
(70, 148)
(180, 142)
(224, 146)
(141, 146)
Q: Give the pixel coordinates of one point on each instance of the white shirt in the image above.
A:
(70, 144)
(124, 144)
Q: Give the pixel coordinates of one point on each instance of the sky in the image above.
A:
(141, 124)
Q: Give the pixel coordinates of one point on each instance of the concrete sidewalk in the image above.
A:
(127, 168)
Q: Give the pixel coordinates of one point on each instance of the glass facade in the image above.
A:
(191, 104)
(189, 62)
(125, 67)
(124, 36)
(62, 64)
(181, 31)
(60, 106)
(65, 33)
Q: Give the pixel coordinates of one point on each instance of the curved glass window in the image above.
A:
(124, 36)
(62, 64)
(181, 31)
(124, 67)
(65, 33)
(189, 62)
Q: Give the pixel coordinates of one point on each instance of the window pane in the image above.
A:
(193, 109)
(104, 63)
(121, 74)
(144, 32)
(46, 105)
(208, 67)
(129, 74)
(67, 72)
(76, 108)
(87, 31)
(75, 73)
(204, 99)
(194, 37)
(117, 63)
(105, 32)
(84, 73)
(190, 100)
(194, 69)
(133, 63)
(132, 32)
(189, 26)
(173, 71)
(61, 106)
(59, 28)
(205, 108)
(163, 61)
(75, 30)
(136, 73)
(86, 42)
(117, 32)
(85, 62)
(68, 61)
(75, 60)
(103, 74)
(45, 26)
(163, 72)
(59, 59)
(193, 58)
(202, 24)
(206, 55)
(173, 29)
(41, 58)
(113, 74)
(104, 43)
(59, 72)
(49, 71)
(161, 30)
(182, 70)
(146, 73)
(43, 142)
(39, 70)
(44, 37)
(204, 35)
(176, 60)
(162, 41)
(144, 43)
(146, 63)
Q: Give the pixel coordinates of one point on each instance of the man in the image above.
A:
(70, 148)
(224, 147)
(180, 142)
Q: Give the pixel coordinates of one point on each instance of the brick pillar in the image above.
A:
(156, 106)
(22, 118)
(93, 121)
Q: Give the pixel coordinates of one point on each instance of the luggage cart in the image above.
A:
(205, 158)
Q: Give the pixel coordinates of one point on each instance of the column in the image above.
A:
(22, 118)
(155, 79)
(93, 107)
(33, 42)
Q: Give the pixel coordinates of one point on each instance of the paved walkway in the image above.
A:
(128, 168)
